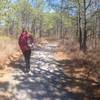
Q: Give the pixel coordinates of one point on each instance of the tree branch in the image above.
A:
(88, 5)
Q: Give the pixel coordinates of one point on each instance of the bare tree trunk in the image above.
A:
(61, 15)
(98, 23)
(79, 26)
(40, 28)
(33, 26)
(84, 28)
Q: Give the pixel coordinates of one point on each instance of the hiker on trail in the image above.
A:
(26, 42)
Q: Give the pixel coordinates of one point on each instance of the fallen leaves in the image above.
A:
(5, 95)
(61, 56)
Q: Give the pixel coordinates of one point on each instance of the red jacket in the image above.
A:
(23, 41)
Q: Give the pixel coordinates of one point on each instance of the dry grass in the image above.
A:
(8, 46)
(89, 60)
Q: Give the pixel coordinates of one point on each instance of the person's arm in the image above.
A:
(19, 39)
(31, 43)
(31, 38)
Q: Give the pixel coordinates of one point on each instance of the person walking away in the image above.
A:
(26, 41)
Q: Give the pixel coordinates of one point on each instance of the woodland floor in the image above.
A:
(54, 75)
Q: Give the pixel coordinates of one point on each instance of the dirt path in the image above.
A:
(45, 81)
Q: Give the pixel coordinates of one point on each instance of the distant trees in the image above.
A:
(83, 5)
(86, 10)
(82, 11)
(63, 20)
(52, 18)
(36, 16)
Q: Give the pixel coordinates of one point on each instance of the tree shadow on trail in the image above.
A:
(18, 64)
(3, 88)
(48, 84)
(83, 74)
(44, 85)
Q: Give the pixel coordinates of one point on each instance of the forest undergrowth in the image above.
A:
(84, 68)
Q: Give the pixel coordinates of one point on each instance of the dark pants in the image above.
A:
(27, 56)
